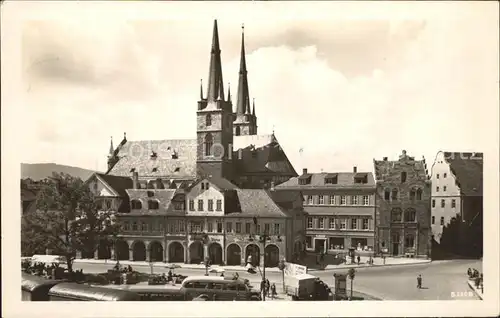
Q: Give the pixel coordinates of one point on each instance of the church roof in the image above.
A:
(343, 180)
(176, 159)
(468, 171)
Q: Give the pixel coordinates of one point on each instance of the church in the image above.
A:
(211, 196)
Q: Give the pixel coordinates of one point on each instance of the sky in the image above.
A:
(344, 90)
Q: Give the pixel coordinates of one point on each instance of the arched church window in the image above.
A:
(209, 142)
(238, 131)
(208, 120)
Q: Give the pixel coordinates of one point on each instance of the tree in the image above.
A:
(351, 273)
(67, 219)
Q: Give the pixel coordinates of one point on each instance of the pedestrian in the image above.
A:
(268, 287)
(359, 259)
(263, 287)
(273, 291)
(419, 281)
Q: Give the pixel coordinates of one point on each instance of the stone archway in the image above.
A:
(215, 253)
(104, 249)
(176, 252)
(139, 251)
(156, 251)
(196, 252)
(272, 256)
(233, 254)
(254, 251)
(121, 250)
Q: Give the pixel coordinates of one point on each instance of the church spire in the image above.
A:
(229, 92)
(243, 102)
(215, 83)
(111, 148)
(201, 89)
(253, 108)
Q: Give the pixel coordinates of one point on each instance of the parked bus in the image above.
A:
(153, 292)
(217, 288)
(81, 292)
(35, 288)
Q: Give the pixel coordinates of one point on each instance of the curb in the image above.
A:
(368, 266)
(474, 289)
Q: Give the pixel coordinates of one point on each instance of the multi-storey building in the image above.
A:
(184, 200)
(404, 207)
(340, 208)
(457, 190)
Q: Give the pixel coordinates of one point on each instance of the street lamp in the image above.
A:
(263, 238)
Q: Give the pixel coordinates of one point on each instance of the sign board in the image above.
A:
(292, 269)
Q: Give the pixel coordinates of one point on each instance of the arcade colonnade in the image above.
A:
(180, 252)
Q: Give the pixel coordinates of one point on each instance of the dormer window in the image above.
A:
(331, 179)
(155, 169)
(305, 179)
(361, 178)
(174, 155)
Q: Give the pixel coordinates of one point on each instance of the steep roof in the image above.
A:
(257, 202)
(176, 159)
(468, 171)
(164, 196)
(118, 183)
(318, 180)
(384, 167)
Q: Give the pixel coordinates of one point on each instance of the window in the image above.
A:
(343, 200)
(108, 204)
(331, 223)
(321, 199)
(136, 205)
(365, 224)
(433, 203)
(394, 195)
(210, 205)
(196, 227)
(396, 215)
(248, 228)
(310, 199)
(419, 194)
(366, 200)
(219, 227)
(266, 228)
(153, 205)
(203, 186)
(208, 120)
(238, 227)
(191, 205)
(207, 185)
(219, 205)
(210, 227)
(442, 220)
(444, 175)
(144, 227)
(412, 195)
(332, 200)
(444, 189)
(453, 203)
(354, 224)
(409, 241)
(238, 131)
(276, 229)
(258, 228)
(387, 194)
(200, 205)
(321, 223)
(403, 177)
(309, 222)
(308, 242)
(229, 227)
(134, 226)
(209, 141)
(443, 203)
(433, 219)
(437, 176)
(354, 200)
(410, 215)
(99, 204)
(126, 226)
(343, 224)
(437, 189)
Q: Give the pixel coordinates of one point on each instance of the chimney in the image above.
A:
(304, 171)
(355, 169)
(385, 158)
(135, 180)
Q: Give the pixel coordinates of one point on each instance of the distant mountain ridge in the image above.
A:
(39, 171)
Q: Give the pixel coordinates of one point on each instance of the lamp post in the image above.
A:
(263, 238)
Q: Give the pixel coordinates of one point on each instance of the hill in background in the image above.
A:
(39, 171)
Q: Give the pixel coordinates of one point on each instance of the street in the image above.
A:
(442, 280)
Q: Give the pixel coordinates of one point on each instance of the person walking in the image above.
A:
(419, 281)
(359, 259)
(268, 287)
(273, 291)
(263, 287)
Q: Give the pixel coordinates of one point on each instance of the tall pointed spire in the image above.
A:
(215, 82)
(243, 102)
(201, 89)
(253, 107)
(229, 92)
(111, 148)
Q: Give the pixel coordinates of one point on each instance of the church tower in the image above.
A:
(245, 122)
(214, 121)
